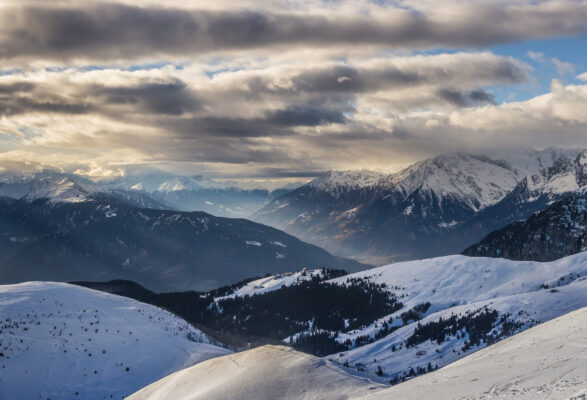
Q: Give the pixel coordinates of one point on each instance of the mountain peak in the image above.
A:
(346, 180)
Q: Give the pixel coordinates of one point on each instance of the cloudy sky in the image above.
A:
(282, 89)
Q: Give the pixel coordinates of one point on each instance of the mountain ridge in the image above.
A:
(409, 214)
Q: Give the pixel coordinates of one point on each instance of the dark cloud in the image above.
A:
(274, 123)
(13, 105)
(305, 116)
(466, 70)
(104, 31)
(475, 97)
(158, 98)
(13, 88)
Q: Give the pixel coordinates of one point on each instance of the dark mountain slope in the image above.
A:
(103, 239)
(556, 232)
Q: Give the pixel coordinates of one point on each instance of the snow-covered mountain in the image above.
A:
(60, 341)
(559, 230)
(164, 250)
(151, 189)
(56, 187)
(336, 182)
(545, 362)
(197, 193)
(455, 305)
(411, 213)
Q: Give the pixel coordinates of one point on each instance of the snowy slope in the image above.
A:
(546, 362)
(268, 372)
(59, 339)
(56, 188)
(521, 293)
(476, 181)
(341, 181)
(272, 282)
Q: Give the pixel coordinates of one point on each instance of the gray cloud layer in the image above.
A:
(102, 31)
(279, 93)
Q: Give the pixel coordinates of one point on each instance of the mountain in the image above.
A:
(150, 189)
(557, 231)
(411, 214)
(197, 193)
(103, 239)
(545, 362)
(57, 187)
(60, 341)
(531, 195)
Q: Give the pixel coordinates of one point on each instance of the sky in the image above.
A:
(280, 89)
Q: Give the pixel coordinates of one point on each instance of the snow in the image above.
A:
(444, 281)
(163, 182)
(338, 181)
(456, 285)
(477, 181)
(447, 224)
(271, 283)
(546, 362)
(58, 189)
(268, 372)
(58, 339)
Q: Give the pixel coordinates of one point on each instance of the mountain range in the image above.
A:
(148, 188)
(435, 207)
(95, 236)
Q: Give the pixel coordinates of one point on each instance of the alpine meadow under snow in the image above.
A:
(60, 341)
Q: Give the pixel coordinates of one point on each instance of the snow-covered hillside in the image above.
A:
(264, 373)
(545, 362)
(60, 341)
(273, 282)
(456, 305)
(548, 361)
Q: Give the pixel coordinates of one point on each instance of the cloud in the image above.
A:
(563, 68)
(274, 88)
(467, 99)
(536, 56)
(110, 31)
